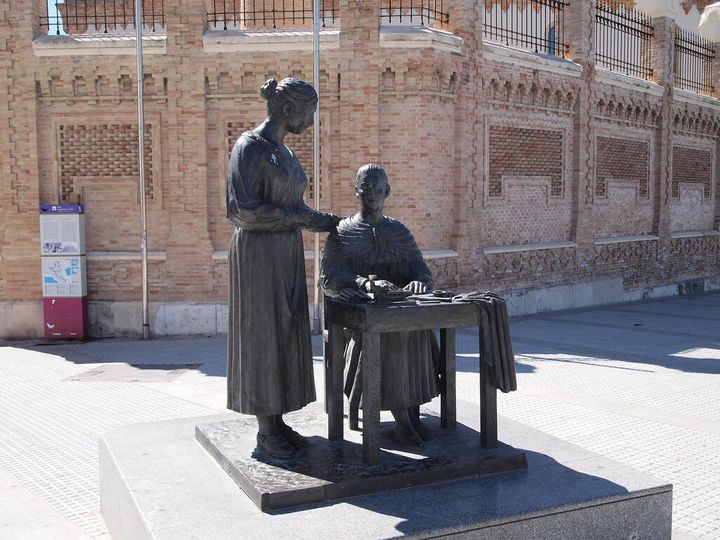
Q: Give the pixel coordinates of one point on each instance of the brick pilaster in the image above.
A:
(580, 32)
(466, 20)
(663, 74)
(359, 141)
(19, 178)
(188, 248)
(716, 93)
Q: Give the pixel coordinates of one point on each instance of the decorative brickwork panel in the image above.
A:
(104, 151)
(525, 152)
(301, 145)
(621, 159)
(695, 257)
(636, 262)
(691, 165)
(541, 268)
(445, 272)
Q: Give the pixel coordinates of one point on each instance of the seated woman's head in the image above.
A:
(372, 187)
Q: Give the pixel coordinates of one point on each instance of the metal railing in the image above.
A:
(693, 60)
(623, 39)
(101, 16)
(537, 25)
(258, 14)
(414, 12)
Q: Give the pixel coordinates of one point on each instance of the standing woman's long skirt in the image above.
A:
(270, 366)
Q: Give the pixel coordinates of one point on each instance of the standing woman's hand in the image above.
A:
(309, 218)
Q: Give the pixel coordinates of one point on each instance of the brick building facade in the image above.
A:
(548, 179)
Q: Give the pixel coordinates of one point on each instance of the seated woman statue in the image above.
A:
(371, 244)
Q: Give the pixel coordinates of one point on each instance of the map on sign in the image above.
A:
(62, 276)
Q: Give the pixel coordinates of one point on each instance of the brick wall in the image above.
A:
(480, 152)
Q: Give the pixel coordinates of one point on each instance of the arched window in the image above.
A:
(551, 41)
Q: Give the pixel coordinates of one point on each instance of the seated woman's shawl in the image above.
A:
(387, 250)
(410, 359)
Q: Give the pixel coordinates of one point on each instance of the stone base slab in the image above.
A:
(329, 470)
(157, 482)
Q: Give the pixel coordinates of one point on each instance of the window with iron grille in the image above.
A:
(101, 16)
(269, 14)
(414, 13)
(693, 59)
(536, 25)
(623, 37)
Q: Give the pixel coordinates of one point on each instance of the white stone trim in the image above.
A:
(696, 99)
(97, 45)
(429, 254)
(417, 37)
(125, 255)
(222, 41)
(623, 239)
(695, 234)
(626, 81)
(309, 254)
(519, 57)
(518, 248)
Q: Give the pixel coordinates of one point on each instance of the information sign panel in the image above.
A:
(64, 276)
(62, 234)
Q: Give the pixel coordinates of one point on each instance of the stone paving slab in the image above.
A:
(620, 392)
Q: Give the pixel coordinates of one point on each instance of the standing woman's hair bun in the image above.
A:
(268, 89)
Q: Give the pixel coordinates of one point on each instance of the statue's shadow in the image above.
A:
(328, 470)
(337, 461)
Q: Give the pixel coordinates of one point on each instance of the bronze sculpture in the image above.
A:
(371, 244)
(269, 350)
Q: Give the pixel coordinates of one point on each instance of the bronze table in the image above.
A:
(372, 319)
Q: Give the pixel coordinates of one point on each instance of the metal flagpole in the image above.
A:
(317, 328)
(141, 165)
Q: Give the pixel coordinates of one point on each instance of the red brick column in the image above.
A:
(19, 178)
(580, 33)
(189, 249)
(358, 109)
(466, 19)
(663, 74)
(716, 81)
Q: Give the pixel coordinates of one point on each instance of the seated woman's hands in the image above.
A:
(416, 287)
(352, 295)
(379, 285)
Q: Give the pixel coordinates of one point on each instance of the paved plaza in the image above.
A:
(637, 383)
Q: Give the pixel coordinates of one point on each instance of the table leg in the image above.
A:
(371, 370)
(488, 408)
(447, 372)
(333, 381)
(326, 367)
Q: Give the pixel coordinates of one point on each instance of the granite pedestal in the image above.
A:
(156, 481)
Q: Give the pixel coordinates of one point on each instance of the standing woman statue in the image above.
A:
(270, 366)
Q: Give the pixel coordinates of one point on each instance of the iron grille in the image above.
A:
(537, 25)
(258, 14)
(101, 16)
(693, 60)
(412, 12)
(623, 39)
